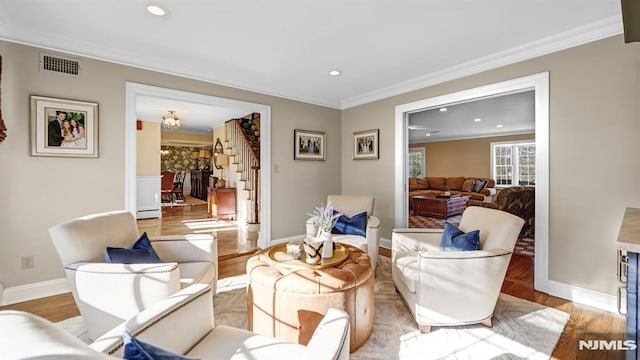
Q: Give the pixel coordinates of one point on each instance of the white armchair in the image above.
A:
(457, 287)
(351, 205)
(182, 324)
(109, 293)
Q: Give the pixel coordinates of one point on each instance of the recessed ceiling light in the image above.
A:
(477, 119)
(498, 126)
(156, 10)
(427, 134)
(443, 109)
(335, 72)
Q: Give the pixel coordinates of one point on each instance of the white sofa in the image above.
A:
(109, 293)
(457, 287)
(183, 324)
(351, 205)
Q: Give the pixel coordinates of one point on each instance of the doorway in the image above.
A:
(539, 83)
(133, 90)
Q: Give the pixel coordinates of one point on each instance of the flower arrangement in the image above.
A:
(325, 218)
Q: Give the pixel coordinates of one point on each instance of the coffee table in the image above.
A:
(439, 206)
(287, 300)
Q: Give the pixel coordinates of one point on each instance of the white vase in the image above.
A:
(313, 249)
(327, 247)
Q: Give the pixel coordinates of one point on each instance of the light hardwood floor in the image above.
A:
(235, 248)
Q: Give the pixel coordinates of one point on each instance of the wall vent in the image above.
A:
(59, 64)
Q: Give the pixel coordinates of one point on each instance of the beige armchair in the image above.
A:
(108, 293)
(458, 287)
(182, 324)
(351, 205)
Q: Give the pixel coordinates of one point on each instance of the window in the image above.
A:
(417, 162)
(514, 163)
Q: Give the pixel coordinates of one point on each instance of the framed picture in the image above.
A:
(63, 128)
(365, 145)
(309, 145)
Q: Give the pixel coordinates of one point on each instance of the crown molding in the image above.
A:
(595, 31)
(585, 34)
(95, 51)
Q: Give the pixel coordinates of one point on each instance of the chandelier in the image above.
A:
(171, 121)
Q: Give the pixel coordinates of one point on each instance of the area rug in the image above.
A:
(524, 245)
(521, 330)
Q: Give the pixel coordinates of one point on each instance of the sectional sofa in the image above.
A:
(481, 189)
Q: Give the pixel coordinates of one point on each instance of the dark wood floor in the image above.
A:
(238, 248)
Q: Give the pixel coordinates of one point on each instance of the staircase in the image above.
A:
(243, 146)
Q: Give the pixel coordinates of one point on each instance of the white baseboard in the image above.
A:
(566, 291)
(287, 239)
(583, 296)
(20, 293)
(576, 294)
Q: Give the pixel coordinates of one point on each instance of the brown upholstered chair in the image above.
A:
(166, 186)
(519, 201)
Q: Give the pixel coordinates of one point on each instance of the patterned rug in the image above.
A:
(524, 245)
(521, 329)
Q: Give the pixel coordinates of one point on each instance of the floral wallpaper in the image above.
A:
(178, 158)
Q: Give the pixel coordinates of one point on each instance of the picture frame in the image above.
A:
(309, 145)
(63, 128)
(365, 145)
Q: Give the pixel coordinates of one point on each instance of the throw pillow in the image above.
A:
(478, 185)
(467, 185)
(413, 184)
(454, 239)
(135, 349)
(423, 183)
(357, 225)
(140, 252)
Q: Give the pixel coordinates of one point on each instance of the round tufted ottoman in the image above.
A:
(289, 303)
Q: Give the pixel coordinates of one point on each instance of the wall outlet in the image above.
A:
(27, 262)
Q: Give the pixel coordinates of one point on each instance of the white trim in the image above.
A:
(588, 33)
(539, 83)
(506, 133)
(94, 51)
(287, 239)
(26, 292)
(574, 37)
(583, 296)
(133, 90)
(21, 293)
(385, 243)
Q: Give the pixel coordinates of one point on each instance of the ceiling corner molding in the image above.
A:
(585, 34)
(96, 51)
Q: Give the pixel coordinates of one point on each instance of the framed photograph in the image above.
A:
(365, 145)
(309, 145)
(63, 128)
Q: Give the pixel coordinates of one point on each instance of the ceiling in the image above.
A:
(287, 47)
(498, 116)
(194, 118)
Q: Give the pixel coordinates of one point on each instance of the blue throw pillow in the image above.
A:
(357, 225)
(135, 349)
(454, 239)
(140, 252)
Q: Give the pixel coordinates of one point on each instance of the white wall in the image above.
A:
(594, 172)
(46, 191)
